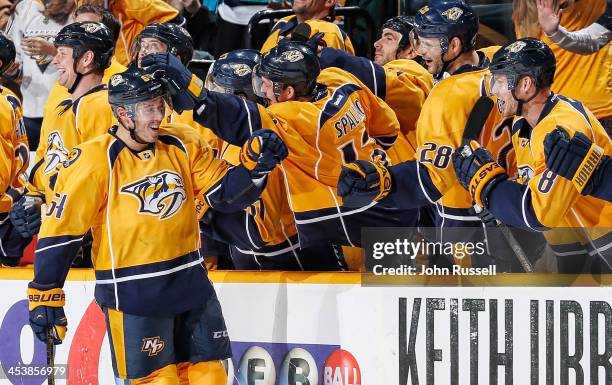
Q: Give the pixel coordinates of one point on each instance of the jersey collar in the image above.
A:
(66, 104)
(483, 62)
(140, 154)
(521, 125)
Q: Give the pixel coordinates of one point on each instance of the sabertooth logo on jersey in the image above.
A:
(515, 47)
(452, 14)
(161, 194)
(424, 10)
(56, 152)
(291, 56)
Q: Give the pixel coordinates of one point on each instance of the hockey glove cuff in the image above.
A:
(477, 171)
(576, 159)
(47, 312)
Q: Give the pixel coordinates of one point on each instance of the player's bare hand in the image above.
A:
(547, 17)
(33, 46)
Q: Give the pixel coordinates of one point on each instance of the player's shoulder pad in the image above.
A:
(183, 136)
(334, 77)
(410, 68)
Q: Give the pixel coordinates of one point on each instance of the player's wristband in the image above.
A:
(485, 175)
(587, 167)
(52, 298)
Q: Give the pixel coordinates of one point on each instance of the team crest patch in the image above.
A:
(56, 152)
(517, 46)
(241, 69)
(146, 77)
(424, 10)
(152, 346)
(72, 157)
(291, 56)
(161, 194)
(452, 14)
(91, 27)
(117, 79)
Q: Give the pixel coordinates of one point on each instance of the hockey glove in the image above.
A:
(362, 182)
(477, 171)
(46, 307)
(177, 78)
(262, 152)
(576, 159)
(25, 215)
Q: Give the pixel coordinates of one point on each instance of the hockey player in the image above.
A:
(14, 161)
(95, 13)
(325, 117)
(174, 39)
(580, 161)
(135, 186)
(264, 237)
(318, 14)
(164, 37)
(84, 50)
(446, 34)
(523, 72)
(393, 76)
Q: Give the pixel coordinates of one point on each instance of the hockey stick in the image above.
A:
(474, 125)
(50, 359)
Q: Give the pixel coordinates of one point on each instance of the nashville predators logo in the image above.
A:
(146, 77)
(161, 194)
(241, 69)
(452, 14)
(424, 10)
(91, 27)
(152, 345)
(291, 56)
(56, 152)
(515, 47)
(117, 79)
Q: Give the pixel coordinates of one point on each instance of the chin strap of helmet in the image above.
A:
(521, 102)
(132, 116)
(79, 76)
(446, 63)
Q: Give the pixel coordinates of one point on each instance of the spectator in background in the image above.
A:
(581, 77)
(32, 27)
(584, 41)
(318, 14)
(6, 9)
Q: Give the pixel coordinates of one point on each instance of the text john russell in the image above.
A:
(424, 270)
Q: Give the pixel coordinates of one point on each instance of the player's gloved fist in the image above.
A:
(177, 78)
(262, 152)
(25, 216)
(362, 182)
(576, 159)
(47, 317)
(477, 171)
